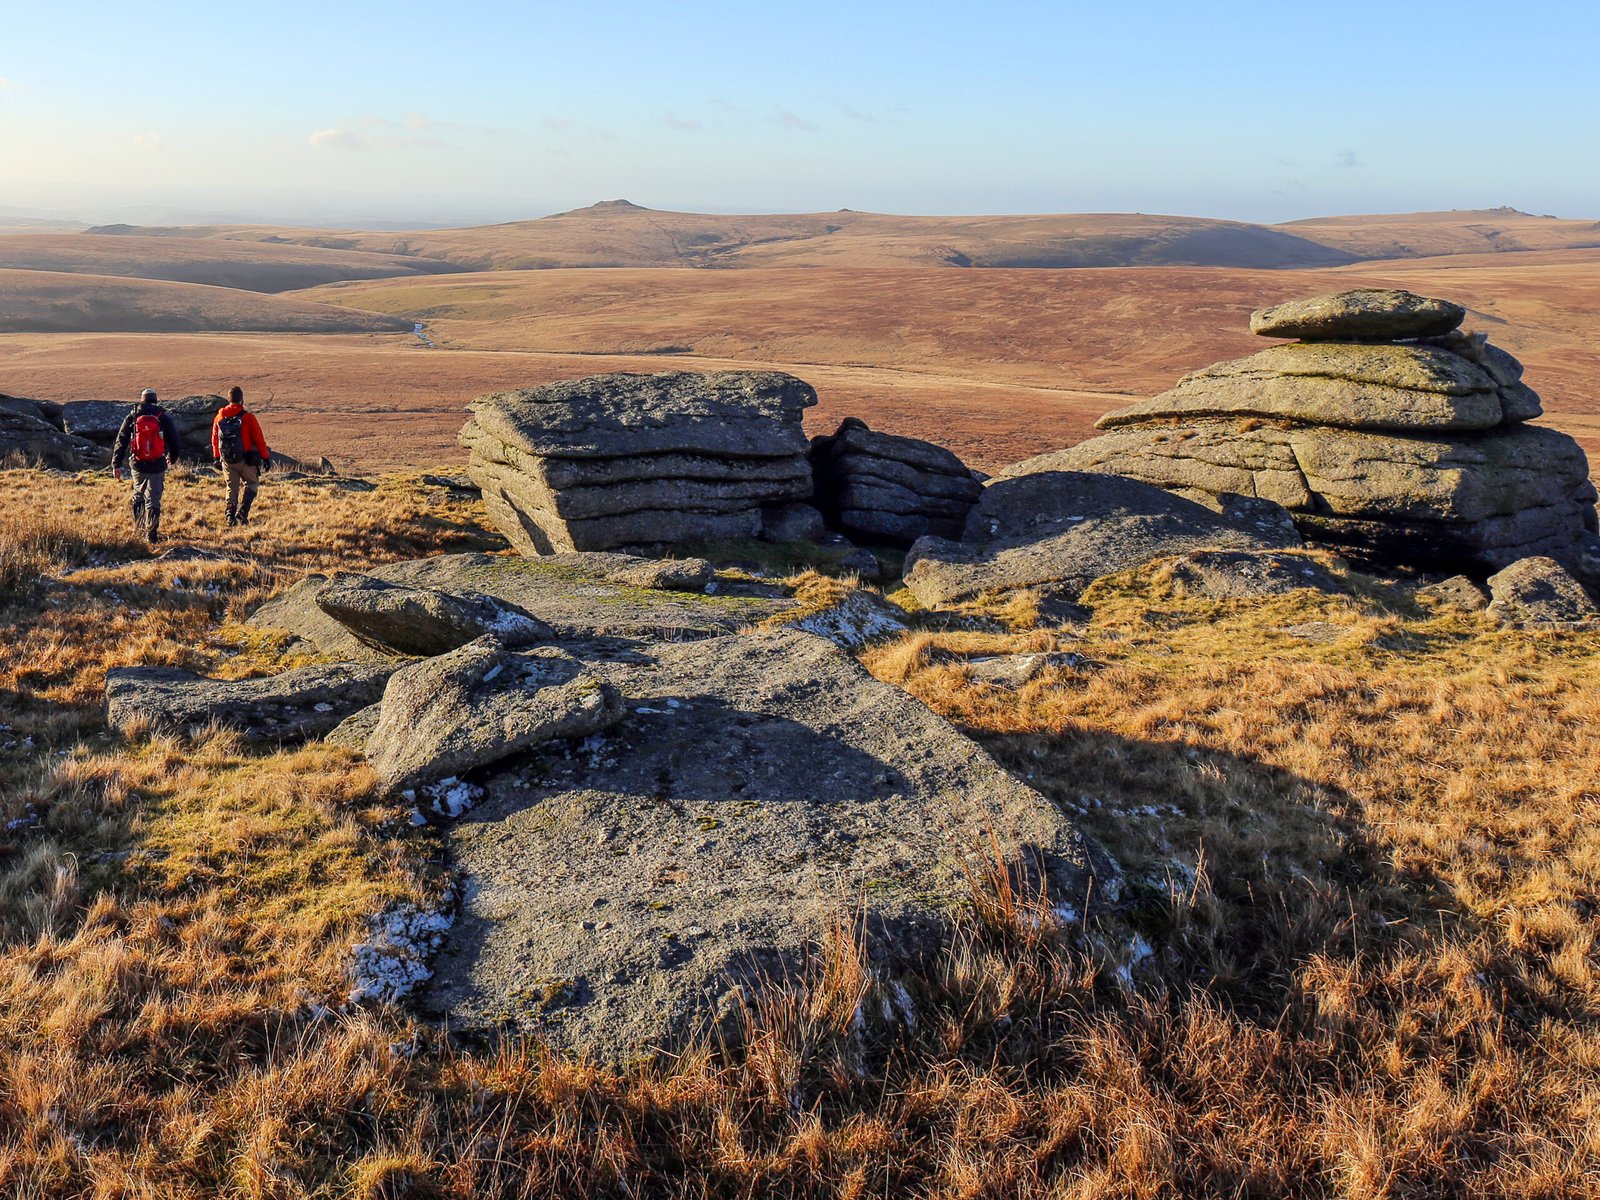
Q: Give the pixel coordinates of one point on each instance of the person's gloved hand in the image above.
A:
(217, 463)
(266, 462)
(116, 472)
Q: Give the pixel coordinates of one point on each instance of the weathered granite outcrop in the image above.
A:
(1058, 531)
(97, 421)
(32, 432)
(626, 892)
(639, 460)
(1413, 451)
(883, 488)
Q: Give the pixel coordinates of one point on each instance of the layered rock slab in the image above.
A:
(1058, 531)
(639, 460)
(625, 893)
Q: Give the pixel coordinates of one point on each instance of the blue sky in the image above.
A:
(402, 111)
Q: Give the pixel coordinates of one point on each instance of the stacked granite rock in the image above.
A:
(881, 488)
(639, 460)
(1383, 428)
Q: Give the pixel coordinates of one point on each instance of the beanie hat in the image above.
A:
(148, 396)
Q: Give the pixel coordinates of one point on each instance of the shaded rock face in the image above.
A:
(1058, 531)
(31, 431)
(1412, 451)
(624, 893)
(396, 619)
(639, 460)
(1539, 591)
(97, 421)
(290, 707)
(447, 715)
(577, 595)
(882, 488)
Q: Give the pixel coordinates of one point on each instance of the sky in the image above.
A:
(403, 113)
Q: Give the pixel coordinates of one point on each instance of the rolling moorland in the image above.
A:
(1358, 956)
(1073, 315)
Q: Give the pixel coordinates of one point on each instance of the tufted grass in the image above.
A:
(1367, 870)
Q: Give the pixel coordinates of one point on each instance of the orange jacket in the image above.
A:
(251, 431)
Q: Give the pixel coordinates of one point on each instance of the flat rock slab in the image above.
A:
(732, 414)
(1364, 313)
(1539, 591)
(620, 894)
(397, 619)
(579, 595)
(1235, 574)
(447, 715)
(1058, 531)
(294, 706)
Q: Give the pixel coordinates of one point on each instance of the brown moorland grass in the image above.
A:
(1003, 364)
(1366, 871)
(62, 302)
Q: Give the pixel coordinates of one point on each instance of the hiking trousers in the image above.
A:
(147, 489)
(243, 479)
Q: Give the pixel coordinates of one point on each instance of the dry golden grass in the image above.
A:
(1368, 868)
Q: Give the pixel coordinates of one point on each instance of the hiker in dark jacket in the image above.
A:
(240, 449)
(148, 441)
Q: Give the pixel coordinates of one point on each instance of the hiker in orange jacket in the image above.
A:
(240, 449)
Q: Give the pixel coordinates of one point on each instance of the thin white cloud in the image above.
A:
(147, 141)
(1349, 158)
(682, 124)
(856, 114)
(8, 85)
(339, 139)
(416, 121)
(794, 121)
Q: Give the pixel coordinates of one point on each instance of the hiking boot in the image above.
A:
(233, 518)
(153, 536)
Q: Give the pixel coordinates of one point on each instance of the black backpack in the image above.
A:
(230, 438)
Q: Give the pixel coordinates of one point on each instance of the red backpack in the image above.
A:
(148, 444)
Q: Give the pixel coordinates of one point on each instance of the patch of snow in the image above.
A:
(392, 961)
(451, 797)
(852, 623)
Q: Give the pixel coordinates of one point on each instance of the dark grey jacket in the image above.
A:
(169, 432)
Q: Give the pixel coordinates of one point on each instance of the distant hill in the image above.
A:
(59, 302)
(1432, 234)
(616, 233)
(256, 266)
(620, 234)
